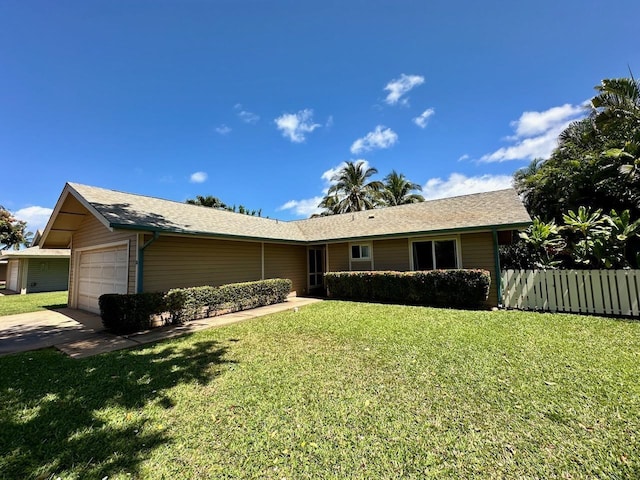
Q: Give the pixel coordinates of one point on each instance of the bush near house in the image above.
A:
(437, 288)
(130, 313)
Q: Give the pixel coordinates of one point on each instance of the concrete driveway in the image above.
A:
(32, 331)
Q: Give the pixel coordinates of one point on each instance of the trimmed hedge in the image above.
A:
(124, 314)
(436, 288)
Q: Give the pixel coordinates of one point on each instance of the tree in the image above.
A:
(215, 202)
(352, 191)
(597, 161)
(397, 190)
(13, 232)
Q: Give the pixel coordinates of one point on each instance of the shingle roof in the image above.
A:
(469, 212)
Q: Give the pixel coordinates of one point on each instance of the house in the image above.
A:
(126, 243)
(35, 269)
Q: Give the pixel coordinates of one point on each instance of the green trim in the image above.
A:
(496, 254)
(139, 287)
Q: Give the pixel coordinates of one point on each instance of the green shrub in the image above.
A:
(130, 313)
(438, 288)
(122, 314)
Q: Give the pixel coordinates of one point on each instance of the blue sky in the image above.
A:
(258, 102)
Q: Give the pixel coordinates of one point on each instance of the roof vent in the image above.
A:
(372, 216)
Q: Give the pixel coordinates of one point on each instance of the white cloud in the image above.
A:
(245, 115)
(294, 126)
(459, 184)
(198, 177)
(223, 129)
(36, 217)
(329, 123)
(381, 137)
(303, 208)
(422, 119)
(401, 86)
(536, 134)
(464, 157)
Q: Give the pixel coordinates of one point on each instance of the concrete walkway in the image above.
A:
(81, 334)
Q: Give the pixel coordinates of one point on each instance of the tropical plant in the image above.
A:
(352, 191)
(545, 242)
(13, 232)
(215, 202)
(398, 190)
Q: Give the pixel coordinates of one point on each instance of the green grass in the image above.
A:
(337, 390)
(32, 302)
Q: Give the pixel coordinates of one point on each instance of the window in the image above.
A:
(360, 252)
(436, 254)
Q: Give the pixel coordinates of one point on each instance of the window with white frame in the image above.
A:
(435, 254)
(360, 251)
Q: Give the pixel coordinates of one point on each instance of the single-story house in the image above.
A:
(126, 243)
(36, 269)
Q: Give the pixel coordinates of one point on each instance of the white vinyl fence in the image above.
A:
(613, 292)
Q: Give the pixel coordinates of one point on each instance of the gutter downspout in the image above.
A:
(496, 254)
(141, 249)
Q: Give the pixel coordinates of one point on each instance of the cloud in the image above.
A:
(329, 123)
(401, 86)
(464, 157)
(294, 126)
(422, 119)
(381, 137)
(245, 115)
(459, 184)
(536, 134)
(198, 177)
(303, 208)
(223, 129)
(36, 217)
(309, 206)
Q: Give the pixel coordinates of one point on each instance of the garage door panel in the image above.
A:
(100, 272)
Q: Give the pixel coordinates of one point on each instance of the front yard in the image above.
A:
(12, 304)
(337, 390)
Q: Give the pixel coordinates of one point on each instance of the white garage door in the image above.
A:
(13, 275)
(101, 271)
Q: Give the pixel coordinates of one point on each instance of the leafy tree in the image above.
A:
(352, 190)
(397, 190)
(597, 161)
(13, 232)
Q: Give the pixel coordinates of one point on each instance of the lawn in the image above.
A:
(32, 302)
(337, 390)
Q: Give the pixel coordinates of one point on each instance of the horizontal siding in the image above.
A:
(287, 261)
(477, 252)
(339, 257)
(179, 262)
(92, 233)
(391, 254)
(47, 275)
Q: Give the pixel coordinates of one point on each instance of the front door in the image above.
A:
(316, 269)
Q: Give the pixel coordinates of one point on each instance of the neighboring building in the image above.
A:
(126, 243)
(3, 271)
(35, 269)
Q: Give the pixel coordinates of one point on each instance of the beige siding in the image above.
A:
(92, 233)
(174, 262)
(478, 252)
(391, 254)
(339, 257)
(287, 261)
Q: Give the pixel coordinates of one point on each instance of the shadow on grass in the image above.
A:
(62, 416)
(57, 306)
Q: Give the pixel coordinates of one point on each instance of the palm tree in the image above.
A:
(397, 190)
(351, 191)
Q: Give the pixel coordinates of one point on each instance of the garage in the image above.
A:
(100, 271)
